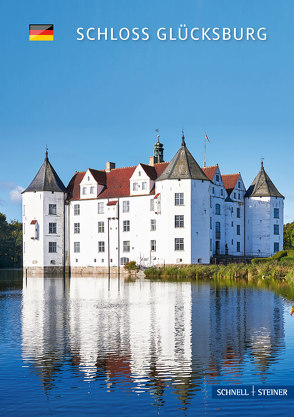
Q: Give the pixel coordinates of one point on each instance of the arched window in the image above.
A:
(217, 209)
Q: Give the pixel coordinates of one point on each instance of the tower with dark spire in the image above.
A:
(264, 208)
(158, 150)
(44, 222)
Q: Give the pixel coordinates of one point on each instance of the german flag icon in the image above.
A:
(41, 32)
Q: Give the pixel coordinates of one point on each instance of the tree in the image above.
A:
(289, 236)
(10, 242)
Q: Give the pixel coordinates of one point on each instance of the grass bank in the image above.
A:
(279, 267)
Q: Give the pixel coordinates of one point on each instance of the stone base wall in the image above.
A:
(75, 271)
(38, 271)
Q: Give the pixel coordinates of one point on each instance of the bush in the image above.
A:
(259, 260)
(279, 255)
(131, 266)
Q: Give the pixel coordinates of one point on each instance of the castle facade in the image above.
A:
(157, 214)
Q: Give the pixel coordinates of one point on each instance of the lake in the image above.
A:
(119, 347)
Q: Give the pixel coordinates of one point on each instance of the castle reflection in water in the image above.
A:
(147, 336)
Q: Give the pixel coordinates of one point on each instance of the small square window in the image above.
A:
(101, 246)
(52, 228)
(126, 246)
(52, 209)
(126, 225)
(179, 243)
(179, 199)
(52, 247)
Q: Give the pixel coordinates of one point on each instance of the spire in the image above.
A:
(262, 186)
(158, 150)
(46, 179)
(183, 166)
(183, 138)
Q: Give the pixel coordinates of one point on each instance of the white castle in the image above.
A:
(157, 214)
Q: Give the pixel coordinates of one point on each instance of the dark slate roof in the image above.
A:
(262, 186)
(46, 179)
(183, 166)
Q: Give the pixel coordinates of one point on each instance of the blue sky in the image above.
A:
(99, 101)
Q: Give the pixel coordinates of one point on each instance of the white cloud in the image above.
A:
(15, 194)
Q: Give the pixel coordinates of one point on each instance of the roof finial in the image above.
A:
(262, 159)
(46, 153)
(183, 138)
(158, 135)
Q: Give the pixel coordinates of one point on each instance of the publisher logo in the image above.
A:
(253, 392)
(41, 32)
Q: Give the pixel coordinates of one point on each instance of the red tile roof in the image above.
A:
(33, 221)
(117, 181)
(210, 171)
(111, 203)
(230, 181)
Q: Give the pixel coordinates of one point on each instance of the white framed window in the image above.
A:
(84, 190)
(276, 213)
(52, 209)
(77, 247)
(152, 204)
(144, 185)
(217, 209)
(126, 246)
(135, 186)
(179, 243)
(52, 247)
(100, 227)
(126, 225)
(124, 260)
(126, 206)
(179, 199)
(101, 246)
(152, 225)
(179, 220)
(100, 208)
(52, 228)
(76, 228)
(276, 229)
(217, 230)
(239, 184)
(276, 246)
(238, 247)
(76, 209)
(153, 245)
(91, 190)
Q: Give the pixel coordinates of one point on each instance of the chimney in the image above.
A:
(110, 166)
(151, 161)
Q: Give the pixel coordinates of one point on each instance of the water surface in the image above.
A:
(99, 346)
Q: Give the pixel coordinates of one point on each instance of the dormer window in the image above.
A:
(84, 190)
(139, 173)
(144, 185)
(135, 186)
(217, 178)
(91, 190)
(88, 179)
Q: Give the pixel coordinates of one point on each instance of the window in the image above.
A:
(100, 227)
(276, 247)
(217, 177)
(217, 209)
(91, 190)
(238, 229)
(101, 246)
(152, 225)
(76, 209)
(179, 243)
(84, 190)
(126, 225)
(152, 204)
(100, 208)
(217, 230)
(76, 227)
(52, 227)
(88, 179)
(139, 173)
(232, 224)
(212, 190)
(52, 209)
(238, 247)
(135, 186)
(126, 246)
(235, 195)
(276, 229)
(179, 221)
(222, 191)
(210, 244)
(126, 206)
(210, 202)
(239, 184)
(179, 199)
(153, 245)
(276, 213)
(239, 197)
(144, 185)
(52, 247)
(124, 260)
(238, 212)
(76, 247)
(210, 221)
